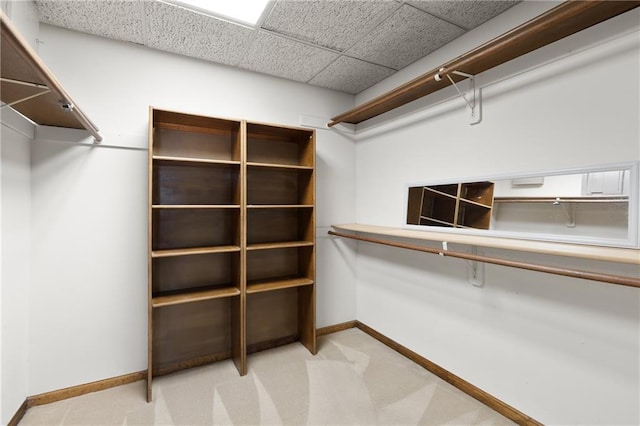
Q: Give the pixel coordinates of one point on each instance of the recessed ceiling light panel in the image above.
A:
(246, 11)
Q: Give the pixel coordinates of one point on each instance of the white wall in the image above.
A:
(562, 350)
(88, 299)
(15, 226)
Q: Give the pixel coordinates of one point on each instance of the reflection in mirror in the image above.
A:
(596, 205)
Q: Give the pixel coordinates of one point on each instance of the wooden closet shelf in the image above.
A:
(24, 75)
(475, 203)
(590, 199)
(193, 251)
(431, 219)
(607, 254)
(193, 296)
(192, 161)
(195, 206)
(280, 166)
(259, 286)
(563, 20)
(280, 206)
(279, 245)
(193, 129)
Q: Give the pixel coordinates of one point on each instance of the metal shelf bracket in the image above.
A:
(475, 104)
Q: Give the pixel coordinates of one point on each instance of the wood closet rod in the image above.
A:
(593, 276)
(563, 20)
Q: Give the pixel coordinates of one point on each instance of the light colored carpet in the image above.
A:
(353, 380)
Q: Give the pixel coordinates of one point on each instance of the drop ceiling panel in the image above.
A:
(346, 45)
(271, 54)
(467, 14)
(336, 24)
(120, 20)
(351, 75)
(176, 29)
(408, 35)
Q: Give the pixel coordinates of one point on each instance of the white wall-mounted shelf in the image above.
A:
(608, 254)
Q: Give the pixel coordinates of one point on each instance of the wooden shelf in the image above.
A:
(608, 254)
(564, 20)
(279, 245)
(193, 251)
(588, 199)
(190, 128)
(178, 298)
(260, 286)
(280, 206)
(25, 74)
(193, 161)
(436, 222)
(474, 203)
(280, 166)
(195, 206)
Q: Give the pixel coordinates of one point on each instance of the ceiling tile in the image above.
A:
(408, 35)
(178, 30)
(467, 14)
(276, 55)
(336, 24)
(120, 20)
(351, 75)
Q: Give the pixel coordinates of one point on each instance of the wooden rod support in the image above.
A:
(593, 276)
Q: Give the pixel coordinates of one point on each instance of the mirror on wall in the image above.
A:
(596, 205)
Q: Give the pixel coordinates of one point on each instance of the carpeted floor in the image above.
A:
(354, 380)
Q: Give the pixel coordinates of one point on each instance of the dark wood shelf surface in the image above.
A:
(279, 245)
(195, 206)
(193, 251)
(193, 161)
(177, 298)
(279, 166)
(259, 286)
(280, 206)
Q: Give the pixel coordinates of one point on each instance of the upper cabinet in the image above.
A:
(29, 87)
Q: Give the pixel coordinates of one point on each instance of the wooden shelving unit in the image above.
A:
(31, 88)
(458, 205)
(280, 235)
(231, 240)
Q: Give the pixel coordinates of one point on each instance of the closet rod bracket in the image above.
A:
(475, 104)
(475, 270)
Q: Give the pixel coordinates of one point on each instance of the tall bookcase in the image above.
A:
(231, 240)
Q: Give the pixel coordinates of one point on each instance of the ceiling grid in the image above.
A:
(345, 45)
